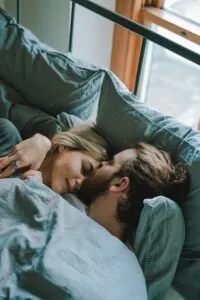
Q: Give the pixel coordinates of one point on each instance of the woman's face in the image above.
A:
(69, 168)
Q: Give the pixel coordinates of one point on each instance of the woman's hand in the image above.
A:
(29, 153)
(32, 173)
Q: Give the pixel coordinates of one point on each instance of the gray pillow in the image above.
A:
(68, 120)
(48, 80)
(158, 243)
(124, 121)
(27, 119)
(30, 120)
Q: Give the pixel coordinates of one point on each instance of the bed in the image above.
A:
(79, 90)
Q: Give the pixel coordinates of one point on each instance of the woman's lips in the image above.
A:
(72, 185)
(68, 186)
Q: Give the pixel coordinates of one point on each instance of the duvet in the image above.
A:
(50, 250)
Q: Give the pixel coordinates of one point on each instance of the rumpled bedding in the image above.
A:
(50, 250)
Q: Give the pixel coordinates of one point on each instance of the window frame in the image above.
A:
(172, 22)
(127, 51)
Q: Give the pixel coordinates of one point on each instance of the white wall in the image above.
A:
(93, 35)
(50, 19)
(1, 3)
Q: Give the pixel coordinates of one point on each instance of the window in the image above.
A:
(172, 82)
(169, 82)
(189, 9)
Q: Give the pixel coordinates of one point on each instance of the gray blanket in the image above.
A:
(50, 250)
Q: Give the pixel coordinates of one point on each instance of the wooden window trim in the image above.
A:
(126, 45)
(172, 22)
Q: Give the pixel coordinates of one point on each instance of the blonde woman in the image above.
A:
(62, 163)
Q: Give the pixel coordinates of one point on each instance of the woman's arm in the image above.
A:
(29, 154)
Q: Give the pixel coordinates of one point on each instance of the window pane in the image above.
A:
(173, 82)
(189, 9)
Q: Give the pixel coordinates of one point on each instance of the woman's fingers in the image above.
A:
(20, 159)
(11, 169)
(2, 161)
(7, 160)
(27, 154)
(18, 153)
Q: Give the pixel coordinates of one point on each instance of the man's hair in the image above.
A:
(151, 174)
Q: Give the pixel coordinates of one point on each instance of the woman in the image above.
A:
(62, 163)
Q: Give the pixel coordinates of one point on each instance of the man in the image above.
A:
(114, 193)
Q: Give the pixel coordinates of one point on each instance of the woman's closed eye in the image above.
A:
(86, 168)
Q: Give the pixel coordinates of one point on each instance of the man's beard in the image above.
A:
(93, 187)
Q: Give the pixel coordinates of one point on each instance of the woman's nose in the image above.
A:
(79, 182)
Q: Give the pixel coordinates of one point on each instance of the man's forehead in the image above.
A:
(124, 155)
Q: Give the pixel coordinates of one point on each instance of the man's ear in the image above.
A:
(120, 185)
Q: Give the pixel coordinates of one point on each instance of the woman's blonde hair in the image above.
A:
(82, 137)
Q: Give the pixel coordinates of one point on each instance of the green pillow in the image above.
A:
(68, 120)
(46, 79)
(158, 243)
(30, 120)
(27, 119)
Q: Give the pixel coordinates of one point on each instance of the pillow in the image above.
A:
(131, 121)
(158, 243)
(48, 80)
(68, 120)
(30, 120)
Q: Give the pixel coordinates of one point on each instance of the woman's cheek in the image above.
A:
(59, 187)
(56, 187)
